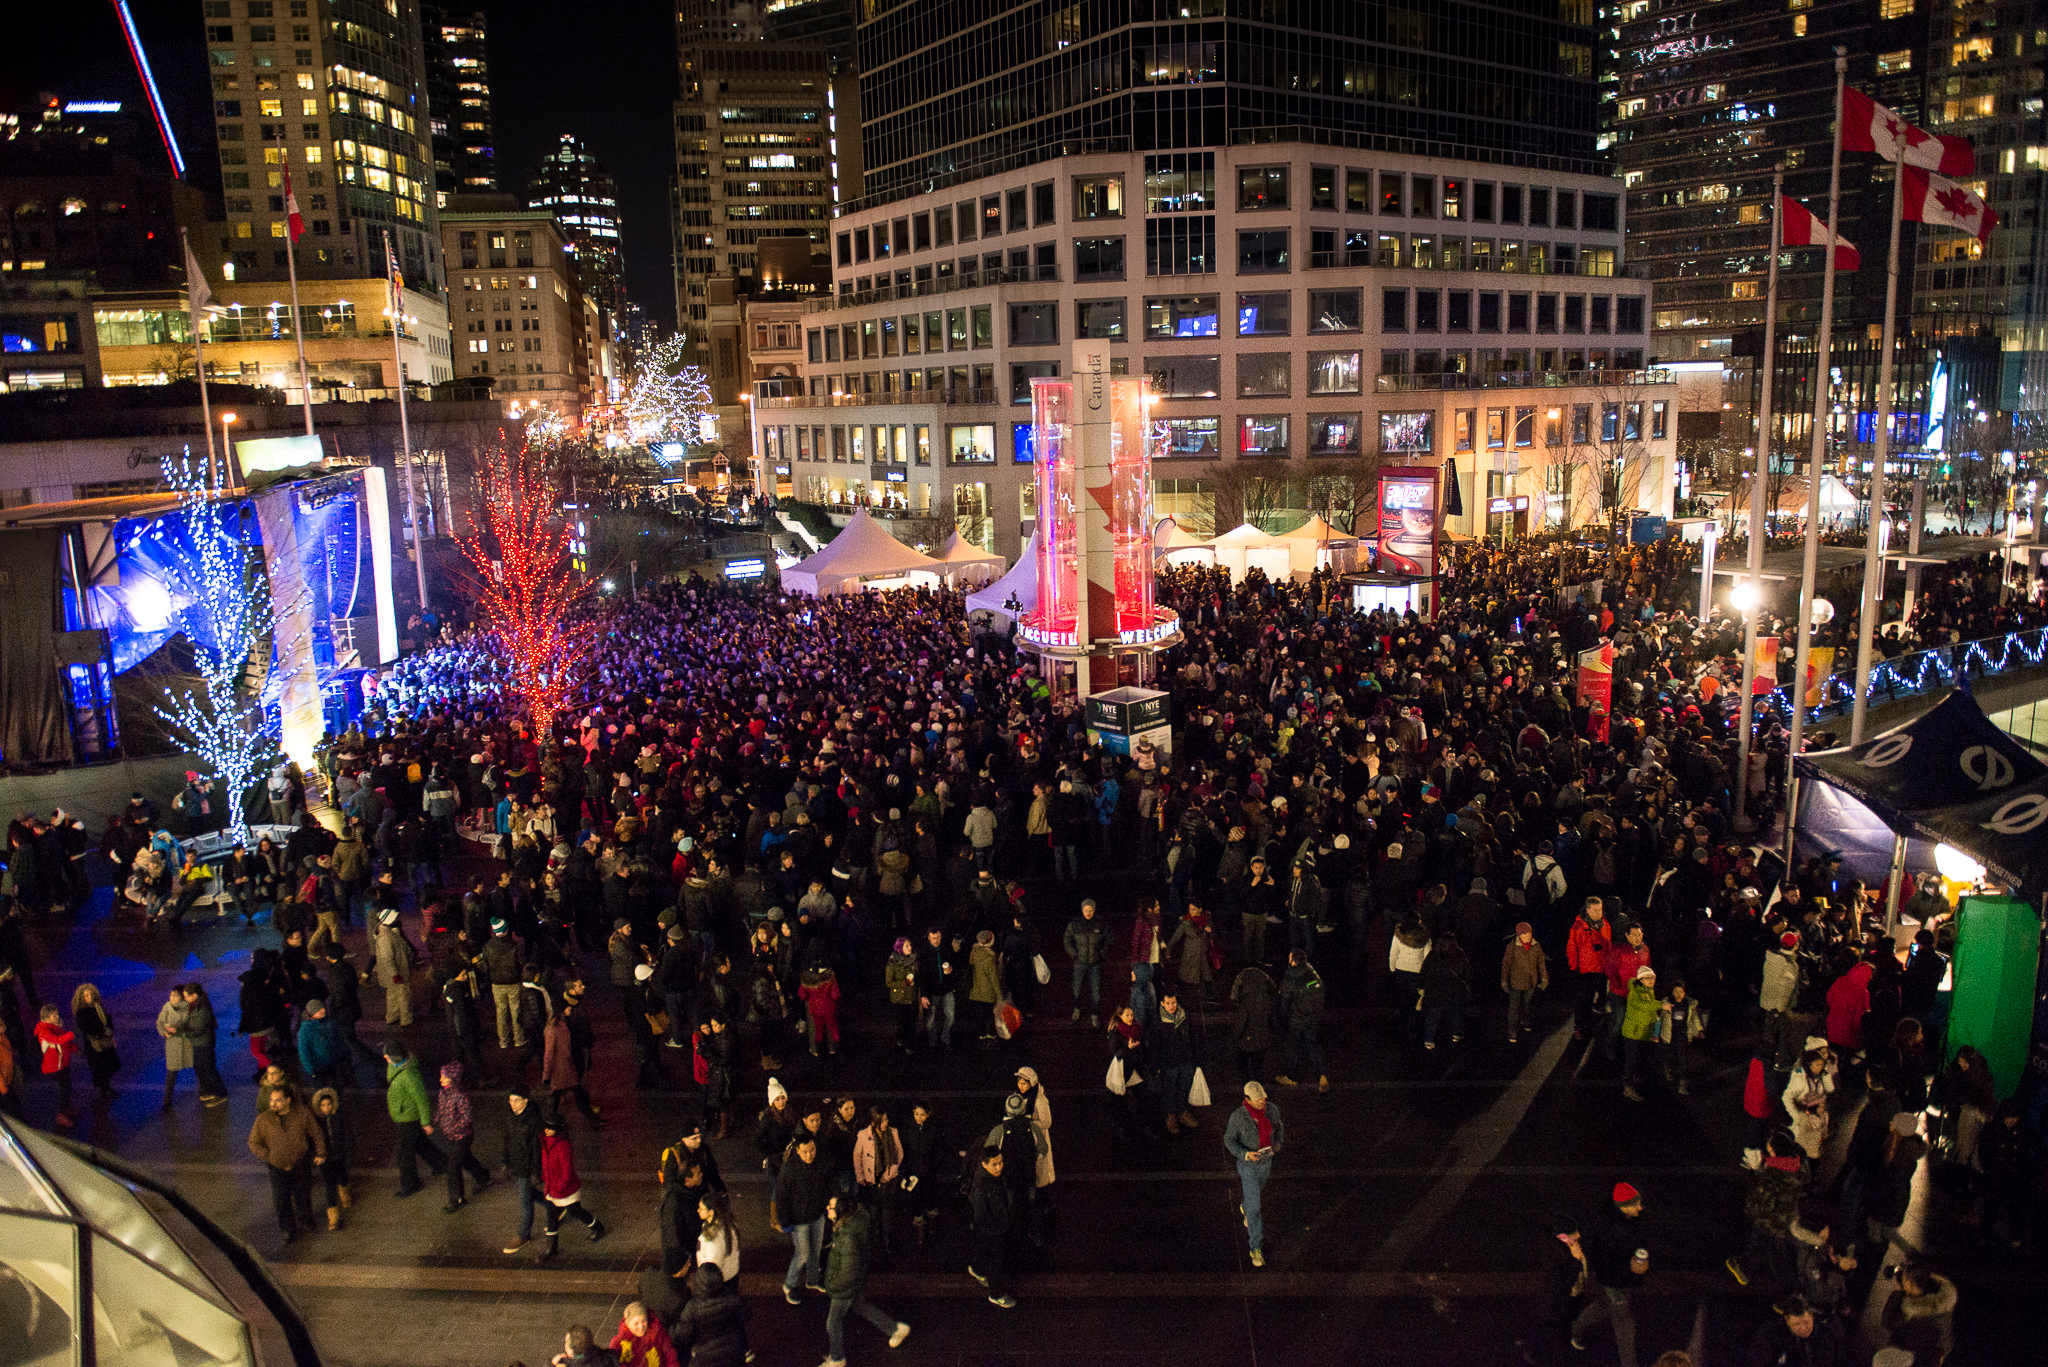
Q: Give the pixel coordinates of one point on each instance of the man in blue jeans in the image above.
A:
(1084, 940)
(522, 1159)
(1253, 1136)
(798, 1210)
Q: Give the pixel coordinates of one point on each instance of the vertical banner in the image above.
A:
(1766, 666)
(1407, 532)
(1596, 686)
(293, 673)
(1820, 663)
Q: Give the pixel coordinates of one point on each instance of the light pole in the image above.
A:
(227, 451)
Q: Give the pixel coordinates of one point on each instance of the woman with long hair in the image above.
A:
(95, 1025)
(718, 1238)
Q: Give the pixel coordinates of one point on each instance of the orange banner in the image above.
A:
(1820, 662)
(1596, 686)
(1766, 666)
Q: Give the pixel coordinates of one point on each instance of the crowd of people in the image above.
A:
(770, 817)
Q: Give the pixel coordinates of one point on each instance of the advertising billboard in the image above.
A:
(1408, 521)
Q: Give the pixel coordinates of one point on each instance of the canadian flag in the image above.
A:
(1797, 227)
(1868, 126)
(1928, 198)
(295, 225)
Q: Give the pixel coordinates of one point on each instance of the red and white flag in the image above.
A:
(1868, 126)
(1928, 198)
(295, 225)
(1797, 227)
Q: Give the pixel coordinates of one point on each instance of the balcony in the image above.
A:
(1521, 379)
(1379, 258)
(943, 397)
(949, 284)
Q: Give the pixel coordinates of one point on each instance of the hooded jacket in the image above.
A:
(1781, 979)
(713, 1325)
(405, 1095)
(1848, 1003)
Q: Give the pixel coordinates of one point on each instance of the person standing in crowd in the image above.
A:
(1301, 1008)
(1585, 953)
(336, 1130)
(95, 1025)
(201, 1029)
(988, 1208)
(57, 1045)
(1253, 1137)
(1084, 940)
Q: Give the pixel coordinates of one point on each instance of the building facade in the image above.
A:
(515, 311)
(334, 91)
(1307, 312)
(459, 102)
(759, 152)
(572, 185)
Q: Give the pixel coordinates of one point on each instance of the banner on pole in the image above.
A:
(1766, 666)
(1820, 663)
(1596, 686)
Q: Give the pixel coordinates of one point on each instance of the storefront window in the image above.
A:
(971, 445)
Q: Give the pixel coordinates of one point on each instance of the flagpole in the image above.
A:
(1818, 453)
(397, 297)
(198, 350)
(291, 259)
(1760, 483)
(1873, 553)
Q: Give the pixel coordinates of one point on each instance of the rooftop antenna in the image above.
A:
(156, 100)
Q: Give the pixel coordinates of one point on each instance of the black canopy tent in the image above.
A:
(1946, 776)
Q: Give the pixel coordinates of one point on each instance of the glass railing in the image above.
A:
(901, 396)
(948, 284)
(1520, 379)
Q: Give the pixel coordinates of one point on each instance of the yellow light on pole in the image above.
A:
(1743, 597)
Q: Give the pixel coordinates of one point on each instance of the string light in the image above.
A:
(1925, 669)
(526, 586)
(235, 632)
(669, 397)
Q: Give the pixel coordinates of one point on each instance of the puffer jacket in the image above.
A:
(1640, 1013)
(1585, 951)
(1781, 980)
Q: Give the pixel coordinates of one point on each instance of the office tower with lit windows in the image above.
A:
(335, 91)
(759, 152)
(573, 185)
(459, 102)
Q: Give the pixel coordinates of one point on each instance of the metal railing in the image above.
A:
(980, 169)
(902, 396)
(1520, 379)
(1387, 258)
(1905, 676)
(948, 284)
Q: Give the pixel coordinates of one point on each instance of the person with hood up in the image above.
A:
(396, 960)
(1848, 1004)
(1919, 1315)
(1407, 954)
(1255, 1023)
(900, 977)
(340, 1135)
(562, 1187)
(1524, 971)
(1446, 988)
(1301, 1011)
(819, 989)
(985, 984)
(1253, 1136)
(713, 1325)
(412, 1117)
(1781, 975)
(453, 1117)
(1805, 1097)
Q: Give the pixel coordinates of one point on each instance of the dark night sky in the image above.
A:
(603, 69)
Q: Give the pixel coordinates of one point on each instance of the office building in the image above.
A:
(335, 92)
(758, 147)
(574, 187)
(1347, 236)
(459, 102)
(1700, 101)
(515, 306)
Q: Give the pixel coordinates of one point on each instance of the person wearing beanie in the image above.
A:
(774, 1128)
(396, 960)
(499, 963)
(1619, 1261)
(321, 1051)
(519, 1157)
(1524, 971)
(1253, 1136)
(1639, 1014)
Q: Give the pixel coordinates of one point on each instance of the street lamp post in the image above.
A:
(227, 451)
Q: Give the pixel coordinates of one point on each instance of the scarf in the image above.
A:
(1263, 1121)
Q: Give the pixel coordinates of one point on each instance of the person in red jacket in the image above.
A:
(58, 1045)
(1848, 1003)
(820, 990)
(1622, 961)
(641, 1341)
(562, 1187)
(1585, 954)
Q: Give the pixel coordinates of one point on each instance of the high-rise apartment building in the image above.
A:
(758, 146)
(1358, 234)
(335, 92)
(573, 185)
(514, 307)
(459, 102)
(1984, 72)
(1701, 99)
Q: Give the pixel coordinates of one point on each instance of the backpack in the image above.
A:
(1603, 865)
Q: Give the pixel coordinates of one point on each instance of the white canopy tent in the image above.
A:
(1245, 548)
(863, 550)
(1310, 544)
(1173, 544)
(1021, 581)
(966, 563)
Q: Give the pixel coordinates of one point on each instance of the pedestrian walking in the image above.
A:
(1255, 1024)
(1301, 1011)
(292, 1145)
(457, 1124)
(412, 1117)
(846, 1279)
(562, 1187)
(1620, 1262)
(339, 1133)
(1084, 940)
(521, 1159)
(988, 1206)
(95, 1026)
(1253, 1136)
(1524, 971)
(797, 1209)
(322, 1054)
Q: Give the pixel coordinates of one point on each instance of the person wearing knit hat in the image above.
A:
(1524, 971)
(1619, 1261)
(1253, 1135)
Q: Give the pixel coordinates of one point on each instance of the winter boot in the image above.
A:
(346, 1199)
(554, 1241)
(333, 1218)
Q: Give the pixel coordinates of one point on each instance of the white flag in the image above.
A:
(195, 281)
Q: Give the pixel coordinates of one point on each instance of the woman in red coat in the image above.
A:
(562, 1187)
(1848, 1003)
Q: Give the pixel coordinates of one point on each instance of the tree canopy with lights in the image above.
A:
(518, 547)
(668, 396)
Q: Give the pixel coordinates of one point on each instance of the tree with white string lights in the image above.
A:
(232, 622)
(668, 397)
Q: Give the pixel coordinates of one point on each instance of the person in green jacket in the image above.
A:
(412, 1117)
(1639, 1017)
(846, 1279)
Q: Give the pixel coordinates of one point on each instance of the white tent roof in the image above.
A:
(959, 551)
(862, 549)
(1242, 536)
(1022, 580)
(1169, 535)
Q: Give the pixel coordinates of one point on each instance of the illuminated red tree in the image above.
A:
(527, 587)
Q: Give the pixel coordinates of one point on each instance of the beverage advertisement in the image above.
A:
(1407, 532)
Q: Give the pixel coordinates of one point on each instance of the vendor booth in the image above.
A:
(1173, 544)
(863, 555)
(1315, 544)
(967, 565)
(1016, 592)
(1246, 548)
